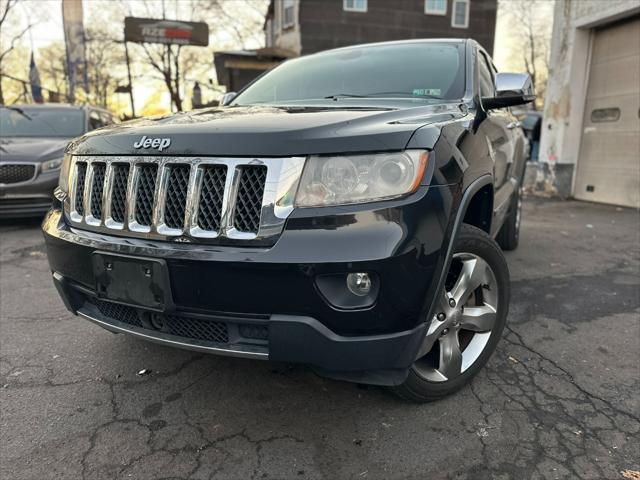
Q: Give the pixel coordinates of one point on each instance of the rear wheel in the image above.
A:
(509, 235)
(468, 323)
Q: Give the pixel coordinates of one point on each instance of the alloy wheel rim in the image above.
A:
(464, 320)
(518, 211)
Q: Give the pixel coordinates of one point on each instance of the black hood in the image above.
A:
(269, 131)
(31, 149)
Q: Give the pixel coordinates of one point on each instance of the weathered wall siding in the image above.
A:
(584, 8)
(566, 89)
(288, 39)
(324, 24)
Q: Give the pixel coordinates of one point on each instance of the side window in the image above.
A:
(485, 77)
(94, 120)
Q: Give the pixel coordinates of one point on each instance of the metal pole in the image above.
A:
(126, 53)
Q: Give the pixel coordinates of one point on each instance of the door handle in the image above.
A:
(513, 125)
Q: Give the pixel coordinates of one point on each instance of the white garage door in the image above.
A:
(608, 169)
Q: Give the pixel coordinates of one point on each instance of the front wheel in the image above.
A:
(468, 323)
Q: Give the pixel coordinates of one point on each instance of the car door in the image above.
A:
(498, 130)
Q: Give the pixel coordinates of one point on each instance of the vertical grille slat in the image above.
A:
(145, 193)
(119, 192)
(81, 175)
(97, 188)
(246, 216)
(176, 196)
(211, 196)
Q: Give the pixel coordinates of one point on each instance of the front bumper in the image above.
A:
(268, 298)
(28, 199)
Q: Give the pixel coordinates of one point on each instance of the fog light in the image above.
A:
(359, 283)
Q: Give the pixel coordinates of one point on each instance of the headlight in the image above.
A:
(341, 180)
(51, 165)
(63, 181)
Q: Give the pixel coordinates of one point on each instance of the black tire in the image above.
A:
(473, 241)
(509, 235)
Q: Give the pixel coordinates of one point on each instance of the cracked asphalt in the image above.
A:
(559, 399)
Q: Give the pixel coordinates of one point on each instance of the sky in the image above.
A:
(49, 29)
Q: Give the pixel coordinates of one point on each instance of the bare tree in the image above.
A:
(14, 38)
(175, 63)
(52, 66)
(103, 54)
(530, 37)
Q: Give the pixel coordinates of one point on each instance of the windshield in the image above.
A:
(416, 71)
(31, 122)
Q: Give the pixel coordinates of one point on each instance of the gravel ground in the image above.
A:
(559, 399)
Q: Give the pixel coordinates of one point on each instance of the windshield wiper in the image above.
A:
(18, 110)
(380, 94)
(343, 95)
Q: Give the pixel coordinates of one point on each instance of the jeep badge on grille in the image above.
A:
(159, 143)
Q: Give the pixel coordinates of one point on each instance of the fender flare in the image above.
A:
(470, 191)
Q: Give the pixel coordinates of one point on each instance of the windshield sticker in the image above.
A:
(427, 92)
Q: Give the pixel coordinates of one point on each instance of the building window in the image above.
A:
(288, 7)
(460, 14)
(355, 5)
(435, 7)
(605, 115)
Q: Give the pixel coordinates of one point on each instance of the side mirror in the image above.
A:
(227, 98)
(511, 89)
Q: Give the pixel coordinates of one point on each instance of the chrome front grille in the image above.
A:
(175, 205)
(119, 192)
(97, 188)
(81, 173)
(214, 179)
(145, 193)
(246, 215)
(207, 199)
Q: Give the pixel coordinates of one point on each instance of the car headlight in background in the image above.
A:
(50, 165)
(347, 179)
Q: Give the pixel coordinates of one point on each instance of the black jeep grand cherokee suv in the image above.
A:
(339, 211)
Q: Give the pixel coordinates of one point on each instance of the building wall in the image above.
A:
(286, 38)
(324, 24)
(566, 88)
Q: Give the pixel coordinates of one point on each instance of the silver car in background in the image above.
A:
(32, 143)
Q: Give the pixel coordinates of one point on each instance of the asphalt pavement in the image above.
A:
(559, 399)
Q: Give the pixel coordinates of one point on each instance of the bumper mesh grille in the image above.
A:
(16, 173)
(119, 192)
(178, 325)
(121, 313)
(176, 196)
(210, 205)
(97, 189)
(145, 194)
(246, 217)
(199, 329)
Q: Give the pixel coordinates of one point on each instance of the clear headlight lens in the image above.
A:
(49, 165)
(346, 179)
